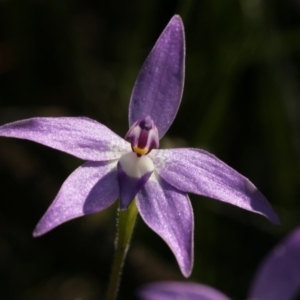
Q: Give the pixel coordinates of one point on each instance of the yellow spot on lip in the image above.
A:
(140, 151)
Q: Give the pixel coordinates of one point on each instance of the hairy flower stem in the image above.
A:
(125, 224)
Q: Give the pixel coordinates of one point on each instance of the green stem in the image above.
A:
(125, 226)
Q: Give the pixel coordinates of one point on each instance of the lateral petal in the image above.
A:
(158, 88)
(172, 290)
(79, 136)
(90, 188)
(168, 212)
(278, 277)
(197, 171)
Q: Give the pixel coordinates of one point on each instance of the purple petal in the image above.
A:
(81, 137)
(158, 89)
(168, 212)
(90, 188)
(197, 171)
(179, 291)
(278, 277)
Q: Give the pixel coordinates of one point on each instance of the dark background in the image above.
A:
(241, 102)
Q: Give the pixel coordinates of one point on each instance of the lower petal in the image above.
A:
(90, 188)
(197, 171)
(168, 212)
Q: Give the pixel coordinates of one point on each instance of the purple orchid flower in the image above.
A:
(158, 179)
(277, 278)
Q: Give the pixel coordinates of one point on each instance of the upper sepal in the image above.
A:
(158, 88)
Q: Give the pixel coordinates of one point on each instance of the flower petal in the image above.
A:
(133, 173)
(158, 88)
(81, 137)
(197, 171)
(90, 188)
(168, 212)
(278, 277)
(178, 291)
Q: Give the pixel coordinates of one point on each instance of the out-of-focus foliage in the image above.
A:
(241, 102)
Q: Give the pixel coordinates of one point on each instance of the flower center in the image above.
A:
(133, 173)
(143, 136)
(134, 166)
